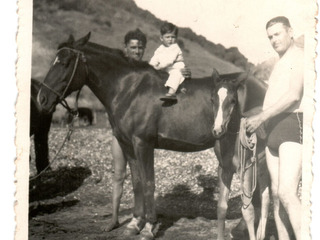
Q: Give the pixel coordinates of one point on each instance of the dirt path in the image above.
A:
(86, 223)
(76, 222)
(73, 201)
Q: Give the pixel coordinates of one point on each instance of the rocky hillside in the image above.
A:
(109, 21)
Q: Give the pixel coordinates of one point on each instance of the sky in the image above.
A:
(239, 23)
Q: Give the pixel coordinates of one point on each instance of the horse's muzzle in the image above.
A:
(44, 105)
(218, 132)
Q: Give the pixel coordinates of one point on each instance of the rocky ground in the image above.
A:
(73, 201)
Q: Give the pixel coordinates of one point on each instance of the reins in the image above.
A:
(247, 142)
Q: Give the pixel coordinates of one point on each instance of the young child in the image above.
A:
(169, 57)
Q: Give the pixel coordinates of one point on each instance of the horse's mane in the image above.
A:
(117, 53)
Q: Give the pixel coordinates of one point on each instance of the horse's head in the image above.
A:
(67, 74)
(224, 99)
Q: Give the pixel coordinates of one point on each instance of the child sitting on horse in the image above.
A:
(168, 57)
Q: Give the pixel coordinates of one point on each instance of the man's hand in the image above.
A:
(186, 72)
(254, 122)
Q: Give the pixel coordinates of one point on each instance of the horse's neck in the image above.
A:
(252, 95)
(102, 88)
(109, 79)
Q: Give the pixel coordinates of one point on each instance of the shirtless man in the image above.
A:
(282, 116)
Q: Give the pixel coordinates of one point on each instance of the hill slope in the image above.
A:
(109, 21)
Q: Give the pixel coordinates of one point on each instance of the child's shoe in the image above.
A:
(169, 96)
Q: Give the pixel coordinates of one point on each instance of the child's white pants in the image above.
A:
(175, 76)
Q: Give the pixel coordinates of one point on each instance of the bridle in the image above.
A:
(62, 101)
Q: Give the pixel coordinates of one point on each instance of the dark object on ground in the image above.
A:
(85, 117)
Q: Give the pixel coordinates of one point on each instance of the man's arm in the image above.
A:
(291, 97)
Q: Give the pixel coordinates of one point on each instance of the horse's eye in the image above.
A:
(214, 98)
(65, 63)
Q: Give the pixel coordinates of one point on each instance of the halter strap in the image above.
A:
(247, 143)
(62, 96)
(72, 75)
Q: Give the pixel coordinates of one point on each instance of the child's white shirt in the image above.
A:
(167, 57)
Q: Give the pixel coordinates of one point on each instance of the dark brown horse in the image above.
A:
(39, 128)
(130, 92)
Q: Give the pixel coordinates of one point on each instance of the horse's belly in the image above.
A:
(184, 145)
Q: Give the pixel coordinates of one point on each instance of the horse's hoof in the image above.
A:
(146, 237)
(130, 232)
(134, 227)
(111, 226)
(238, 234)
(149, 231)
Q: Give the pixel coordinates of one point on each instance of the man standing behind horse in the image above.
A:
(135, 43)
(282, 117)
(134, 46)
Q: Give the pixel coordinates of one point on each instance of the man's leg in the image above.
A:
(290, 154)
(120, 164)
(279, 213)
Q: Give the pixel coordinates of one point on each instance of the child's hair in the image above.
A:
(135, 35)
(168, 28)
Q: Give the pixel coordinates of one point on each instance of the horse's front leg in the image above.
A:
(265, 202)
(225, 178)
(247, 207)
(144, 152)
(137, 222)
(264, 183)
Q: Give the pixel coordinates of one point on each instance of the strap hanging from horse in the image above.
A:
(247, 142)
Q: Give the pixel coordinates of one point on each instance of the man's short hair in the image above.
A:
(135, 35)
(280, 19)
(168, 28)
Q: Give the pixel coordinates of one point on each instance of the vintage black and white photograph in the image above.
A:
(149, 119)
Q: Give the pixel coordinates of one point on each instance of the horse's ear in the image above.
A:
(215, 76)
(71, 39)
(82, 41)
(241, 79)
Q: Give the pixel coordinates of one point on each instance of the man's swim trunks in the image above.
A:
(286, 127)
